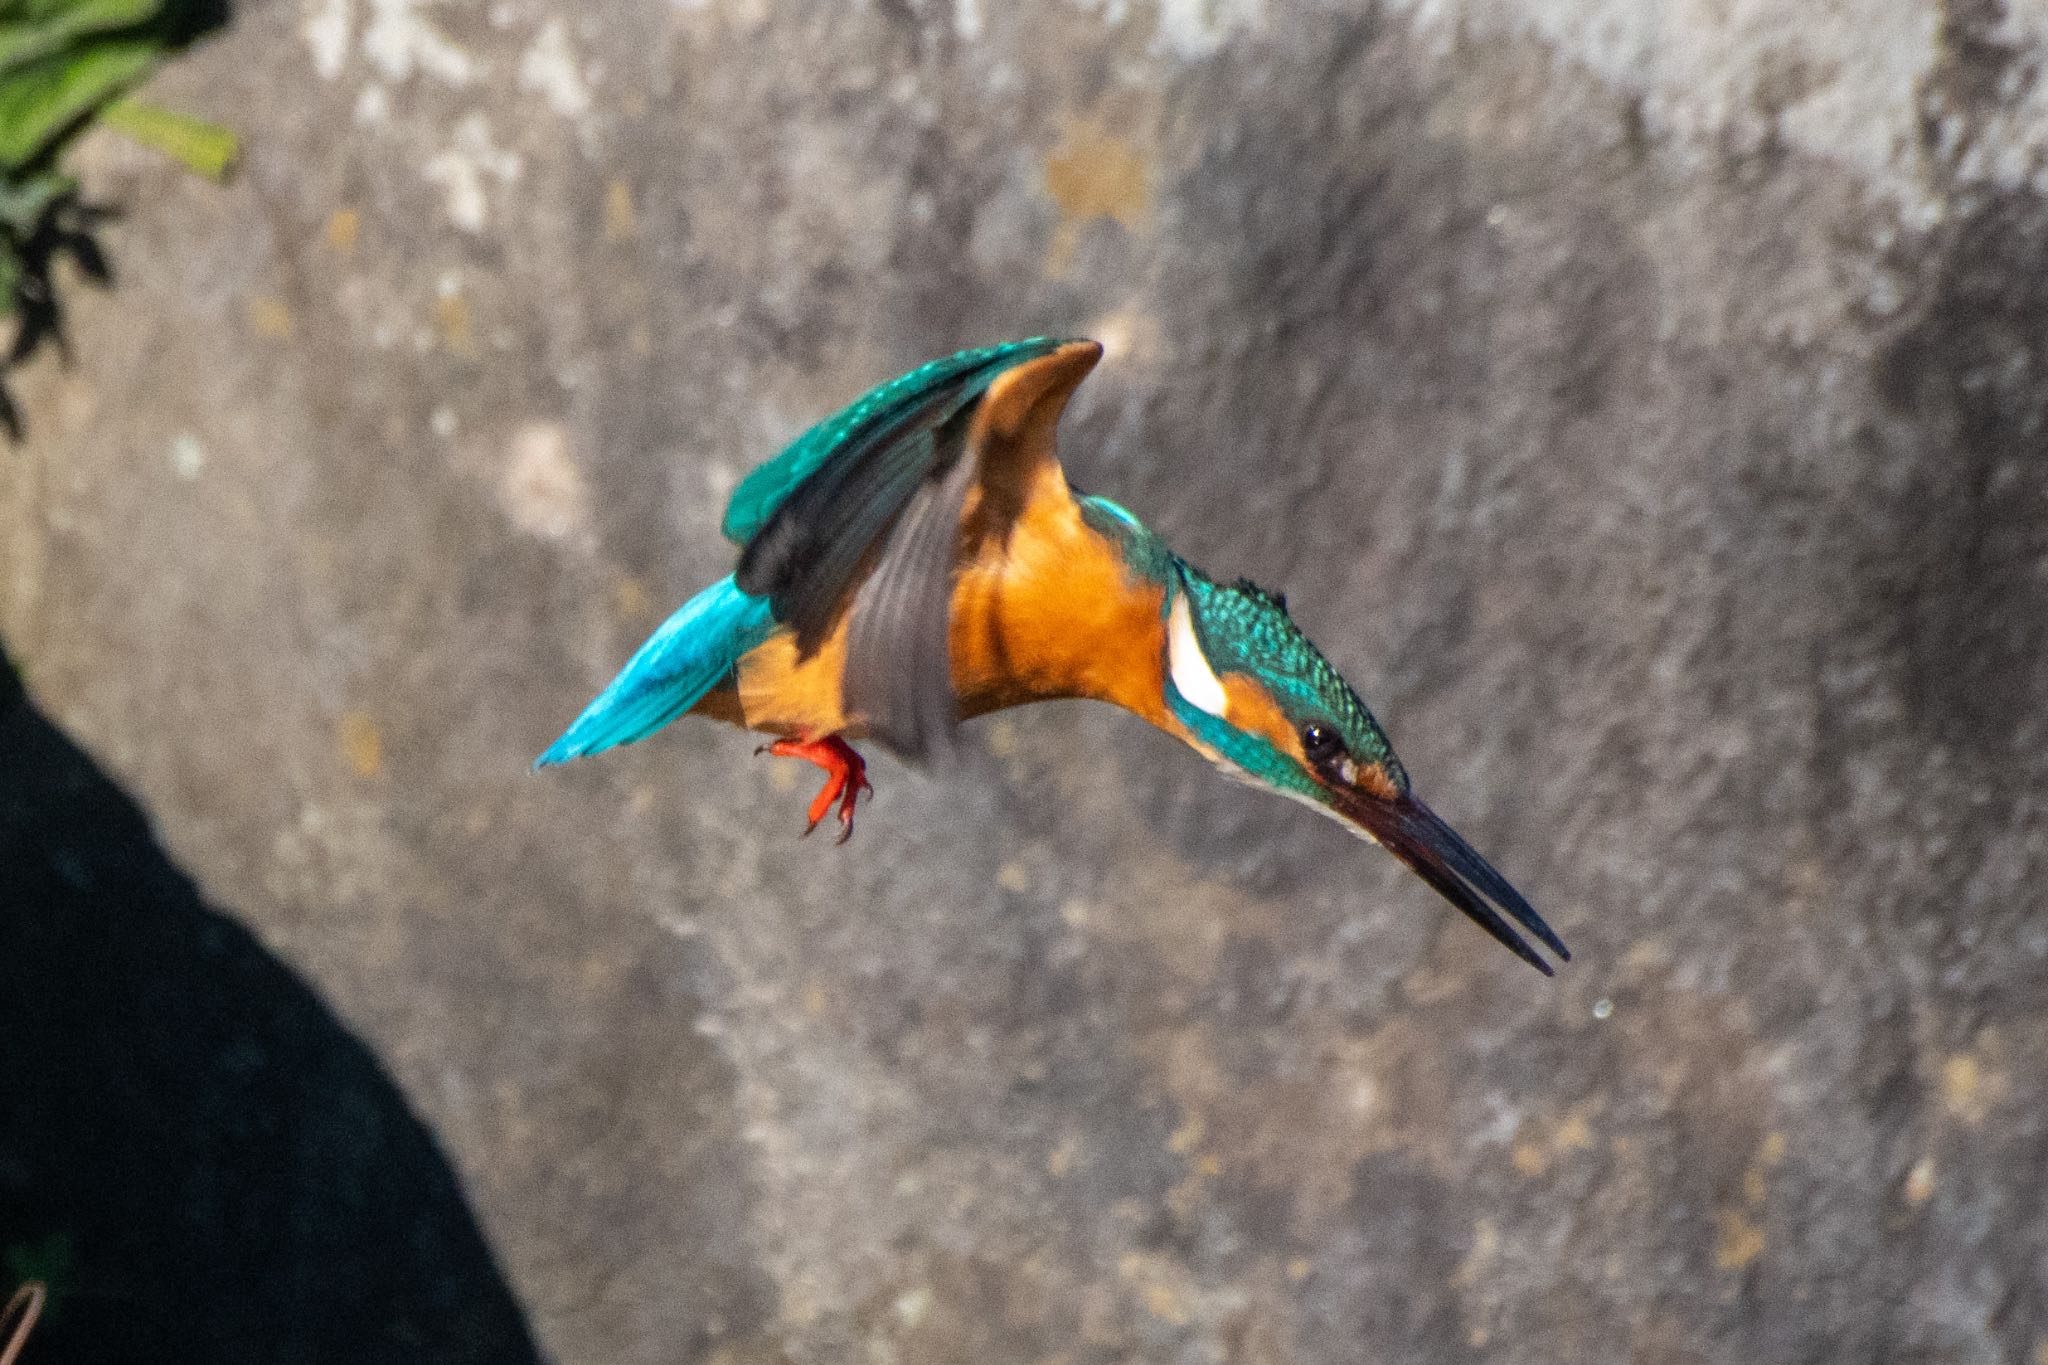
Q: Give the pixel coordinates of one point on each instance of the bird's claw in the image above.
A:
(846, 779)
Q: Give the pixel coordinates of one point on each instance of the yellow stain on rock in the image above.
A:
(621, 223)
(342, 226)
(1161, 1286)
(630, 599)
(2041, 1351)
(360, 743)
(1970, 1088)
(1013, 878)
(1061, 1159)
(1093, 174)
(1002, 738)
(1920, 1182)
(270, 318)
(451, 319)
(1737, 1241)
(1162, 1302)
(1479, 1260)
(1755, 1180)
(1203, 1167)
(1961, 1082)
(1535, 1156)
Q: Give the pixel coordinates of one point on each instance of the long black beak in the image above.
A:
(1417, 836)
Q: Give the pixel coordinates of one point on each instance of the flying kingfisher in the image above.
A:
(919, 559)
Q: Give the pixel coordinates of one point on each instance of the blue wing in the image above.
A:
(680, 662)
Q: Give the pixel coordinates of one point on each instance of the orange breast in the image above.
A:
(1049, 609)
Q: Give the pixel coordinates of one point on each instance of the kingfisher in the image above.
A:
(919, 559)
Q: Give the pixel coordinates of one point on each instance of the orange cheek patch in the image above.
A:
(1248, 707)
(1373, 779)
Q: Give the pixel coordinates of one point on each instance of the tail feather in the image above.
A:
(669, 674)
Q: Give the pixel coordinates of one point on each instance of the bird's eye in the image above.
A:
(1320, 742)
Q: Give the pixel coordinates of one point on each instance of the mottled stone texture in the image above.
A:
(1649, 420)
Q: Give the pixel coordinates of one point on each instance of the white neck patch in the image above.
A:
(1192, 676)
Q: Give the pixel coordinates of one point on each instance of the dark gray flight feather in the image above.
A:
(898, 675)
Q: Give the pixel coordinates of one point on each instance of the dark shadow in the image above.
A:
(204, 1162)
(68, 230)
(63, 226)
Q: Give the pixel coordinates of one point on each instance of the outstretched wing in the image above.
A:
(862, 514)
(875, 415)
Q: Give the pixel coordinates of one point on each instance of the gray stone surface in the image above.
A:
(1646, 412)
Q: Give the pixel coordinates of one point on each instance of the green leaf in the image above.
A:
(90, 12)
(44, 100)
(33, 29)
(46, 11)
(200, 146)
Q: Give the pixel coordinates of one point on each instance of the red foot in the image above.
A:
(846, 776)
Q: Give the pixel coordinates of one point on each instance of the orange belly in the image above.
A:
(1042, 608)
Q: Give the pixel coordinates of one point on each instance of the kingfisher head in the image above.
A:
(1258, 699)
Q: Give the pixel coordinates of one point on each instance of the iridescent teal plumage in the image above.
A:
(685, 658)
(765, 490)
(1144, 552)
(1243, 627)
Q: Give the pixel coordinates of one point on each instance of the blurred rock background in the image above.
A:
(1644, 405)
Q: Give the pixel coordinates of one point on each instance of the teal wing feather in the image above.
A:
(860, 470)
(688, 656)
(770, 484)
